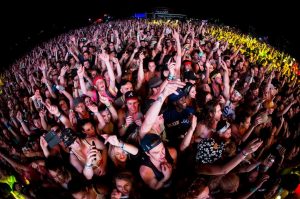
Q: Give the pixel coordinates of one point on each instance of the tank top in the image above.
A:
(145, 160)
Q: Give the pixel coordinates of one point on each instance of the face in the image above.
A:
(218, 79)
(120, 154)
(204, 194)
(226, 134)
(133, 105)
(123, 186)
(247, 123)
(181, 103)
(81, 195)
(151, 66)
(255, 92)
(9, 104)
(100, 85)
(218, 113)
(208, 97)
(106, 116)
(80, 108)
(37, 123)
(158, 153)
(58, 175)
(235, 97)
(88, 101)
(127, 87)
(63, 105)
(89, 129)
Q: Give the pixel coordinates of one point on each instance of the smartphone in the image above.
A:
(52, 139)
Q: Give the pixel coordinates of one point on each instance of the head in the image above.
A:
(79, 105)
(197, 190)
(125, 87)
(179, 101)
(56, 169)
(224, 129)
(88, 128)
(88, 101)
(105, 113)
(117, 154)
(213, 110)
(190, 90)
(216, 78)
(36, 120)
(132, 102)
(63, 105)
(230, 183)
(99, 83)
(151, 66)
(236, 96)
(124, 182)
(153, 147)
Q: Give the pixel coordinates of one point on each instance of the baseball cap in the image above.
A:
(77, 101)
(149, 141)
(173, 97)
(130, 95)
(154, 82)
(222, 126)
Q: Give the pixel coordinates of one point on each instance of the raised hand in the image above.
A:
(19, 116)
(111, 139)
(115, 194)
(128, 120)
(172, 86)
(52, 109)
(253, 146)
(93, 108)
(43, 142)
(104, 100)
(80, 72)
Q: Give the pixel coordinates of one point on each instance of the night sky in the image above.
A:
(30, 22)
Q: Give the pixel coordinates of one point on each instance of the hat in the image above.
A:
(97, 78)
(269, 104)
(173, 97)
(190, 75)
(68, 136)
(185, 62)
(149, 141)
(77, 101)
(130, 95)
(222, 126)
(154, 82)
(208, 151)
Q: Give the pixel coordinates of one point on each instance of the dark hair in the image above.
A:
(54, 163)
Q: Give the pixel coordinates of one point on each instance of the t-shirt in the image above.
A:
(228, 111)
(177, 124)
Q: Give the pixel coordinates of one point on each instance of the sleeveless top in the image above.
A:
(145, 160)
(96, 164)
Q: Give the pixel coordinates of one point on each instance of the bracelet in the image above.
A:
(107, 106)
(253, 189)
(122, 145)
(244, 154)
(59, 115)
(171, 77)
(88, 166)
(124, 126)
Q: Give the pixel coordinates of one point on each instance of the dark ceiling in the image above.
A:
(26, 23)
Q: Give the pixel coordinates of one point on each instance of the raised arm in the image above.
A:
(153, 111)
(113, 140)
(208, 169)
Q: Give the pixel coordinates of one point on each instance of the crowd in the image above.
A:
(143, 109)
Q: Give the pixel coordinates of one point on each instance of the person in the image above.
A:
(158, 163)
(125, 186)
(89, 158)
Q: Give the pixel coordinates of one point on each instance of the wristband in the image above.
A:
(59, 115)
(88, 166)
(244, 154)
